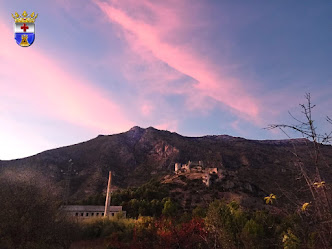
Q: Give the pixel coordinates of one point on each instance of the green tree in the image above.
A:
(170, 209)
(252, 234)
(290, 240)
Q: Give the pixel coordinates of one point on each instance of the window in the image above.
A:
(112, 214)
(81, 214)
(97, 214)
(76, 214)
(87, 214)
(92, 214)
(102, 214)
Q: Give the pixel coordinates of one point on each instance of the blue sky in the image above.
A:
(193, 67)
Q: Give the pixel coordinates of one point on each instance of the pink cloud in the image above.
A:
(147, 109)
(149, 38)
(34, 84)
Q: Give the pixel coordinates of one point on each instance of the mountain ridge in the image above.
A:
(135, 128)
(141, 154)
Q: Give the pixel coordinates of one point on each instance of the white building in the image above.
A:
(87, 211)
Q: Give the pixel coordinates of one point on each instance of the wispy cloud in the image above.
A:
(36, 89)
(147, 34)
(39, 84)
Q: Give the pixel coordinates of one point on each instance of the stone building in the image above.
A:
(182, 168)
(177, 167)
(198, 167)
(207, 180)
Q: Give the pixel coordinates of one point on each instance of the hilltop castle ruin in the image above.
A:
(196, 167)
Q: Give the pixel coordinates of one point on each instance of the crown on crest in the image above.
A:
(25, 17)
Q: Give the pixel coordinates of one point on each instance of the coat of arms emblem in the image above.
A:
(24, 28)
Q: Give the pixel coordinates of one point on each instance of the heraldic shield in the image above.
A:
(24, 34)
(24, 28)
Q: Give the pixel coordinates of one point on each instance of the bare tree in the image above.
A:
(321, 212)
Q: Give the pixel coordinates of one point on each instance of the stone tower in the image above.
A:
(207, 180)
(108, 195)
(177, 167)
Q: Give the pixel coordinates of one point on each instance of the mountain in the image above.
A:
(249, 167)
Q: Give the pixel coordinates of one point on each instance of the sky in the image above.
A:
(192, 67)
